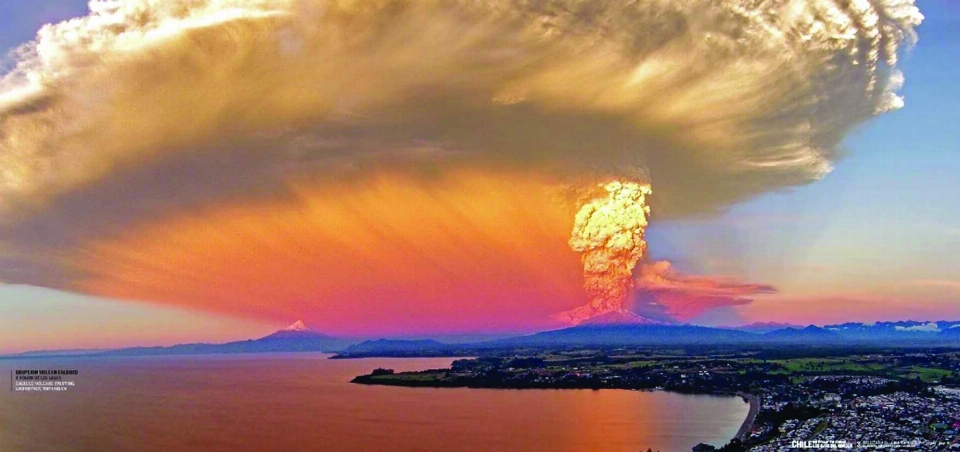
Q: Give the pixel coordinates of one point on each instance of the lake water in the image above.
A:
(304, 402)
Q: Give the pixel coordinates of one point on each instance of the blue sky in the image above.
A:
(888, 215)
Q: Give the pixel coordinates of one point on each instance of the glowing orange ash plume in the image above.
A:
(608, 232)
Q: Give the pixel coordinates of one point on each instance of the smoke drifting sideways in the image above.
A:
(148, 112)
(609, 235)
(665, 294)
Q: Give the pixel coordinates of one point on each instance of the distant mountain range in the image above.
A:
(761, 327)
(614, 329)
(644, 332)
(295, 338)
(628, 334)
(421, 346)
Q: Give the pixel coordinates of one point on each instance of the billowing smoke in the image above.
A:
(147, 110)
(608, 234)
(665, 294)
(721, 99)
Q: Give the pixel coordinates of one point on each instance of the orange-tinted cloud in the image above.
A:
(665, 293)
(380, 254)
(147, 150)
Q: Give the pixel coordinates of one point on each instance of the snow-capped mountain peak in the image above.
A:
(297, 326)
(298, 330)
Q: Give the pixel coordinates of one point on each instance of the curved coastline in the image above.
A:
(747, 425)
(742, 433)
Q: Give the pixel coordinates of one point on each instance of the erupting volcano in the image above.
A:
(409, 166)
(609, 235)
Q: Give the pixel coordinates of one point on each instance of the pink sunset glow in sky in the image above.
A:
(195, 174)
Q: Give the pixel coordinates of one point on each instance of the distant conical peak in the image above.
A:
(297, 326)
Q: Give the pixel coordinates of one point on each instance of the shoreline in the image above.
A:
(747, 425)
(742, 433)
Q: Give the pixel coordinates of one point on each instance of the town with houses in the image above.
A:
(856, 413)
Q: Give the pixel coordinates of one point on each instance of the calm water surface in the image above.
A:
(304, 402)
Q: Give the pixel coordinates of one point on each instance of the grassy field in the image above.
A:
(655, 369)
(925, 373)
(827, 366)
(413, 376)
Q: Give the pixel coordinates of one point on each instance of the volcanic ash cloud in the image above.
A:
(719, 100)
(160, 109)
